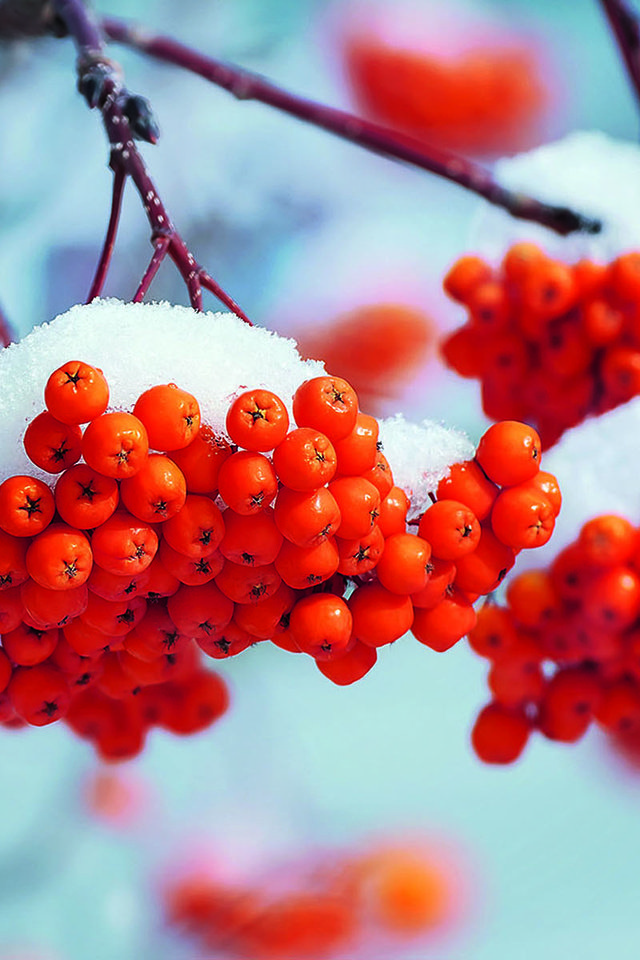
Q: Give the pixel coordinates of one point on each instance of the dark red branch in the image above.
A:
(249, 86)
(625, 25)
(119, 180)
(6, 333)
(160, 252)
(124, 117)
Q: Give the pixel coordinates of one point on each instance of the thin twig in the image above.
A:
(625, 25)
(119, 180)
(125, 117)
(245, 85)
(6, 333)
(161, 247)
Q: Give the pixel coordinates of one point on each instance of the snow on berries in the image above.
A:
(551, 343)
(169, 538)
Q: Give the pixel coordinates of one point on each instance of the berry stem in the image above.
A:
(119, 180)
(625, 26)
(99, 80)
(245, 85)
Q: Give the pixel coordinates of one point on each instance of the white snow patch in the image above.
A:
(588, 171)
(213, 356)
(421, 455)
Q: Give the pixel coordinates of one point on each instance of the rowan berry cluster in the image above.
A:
(552, 343)
(392, 892)
(565, 648)
(168, 541)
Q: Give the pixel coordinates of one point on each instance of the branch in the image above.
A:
(626, 28)
(249, 86)
(20, 19)
(126, 118)
(6, 333)
(119, 180)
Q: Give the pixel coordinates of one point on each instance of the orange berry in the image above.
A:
(500, 735)
(466, 274)
(379, 616)
(76, 392)
(404, 564)
(171, 416)
(52, 445)
(328, 404)
(509, 452)
(116, 445)
(451, 528)
(442, 626)
(257, 420)
(522, 518)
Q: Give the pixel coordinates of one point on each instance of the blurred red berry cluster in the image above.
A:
(551, 343)
(487, 100)
(391, 894)
(564, 649)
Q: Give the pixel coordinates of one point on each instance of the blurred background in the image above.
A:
(344, 251)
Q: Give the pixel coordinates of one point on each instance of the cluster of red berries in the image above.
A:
(112, 583)
(565, 649)
(551, 343)
(393, 891)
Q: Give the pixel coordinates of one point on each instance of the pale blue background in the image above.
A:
(285, 218)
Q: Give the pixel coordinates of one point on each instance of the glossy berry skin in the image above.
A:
(116, 445)
(197, 529)
(356, 453)
(59, 558)
(51, 445)
(305, 460)
(124, 544)
(359, 505)
(26, 506)
(393, 512)
(522, 518)
(47, 609)
(442, 626)
(157, 491)
(306, 517)
(379, 616)
(321, 625)
(170, 415)
(257, 420)
(26, 646)
(328, 404)
(85, 498)
(201, 460)
(451, 528)
(509, 453)
(247, 482)
(302, 567)
(467, 484)
(253, 540)
(351, 666)
(13, 569)
(40, 694)
(404, 565)
(76, 393)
